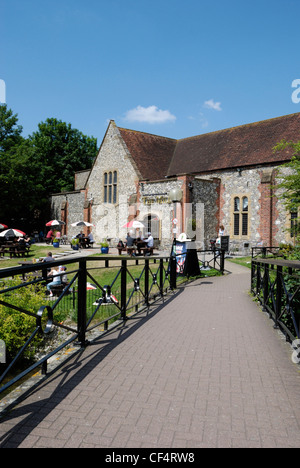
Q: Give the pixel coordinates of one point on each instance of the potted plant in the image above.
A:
(104, 247)
(75, 243)
(55, 242)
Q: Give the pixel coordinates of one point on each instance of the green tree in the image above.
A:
(33, 168)
(22, 190)
(60, 151)
(10, 131)
(290, 183)
(10, 140)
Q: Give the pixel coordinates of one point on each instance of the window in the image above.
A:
(240, 216)
(110, 187)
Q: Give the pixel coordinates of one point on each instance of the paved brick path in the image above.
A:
(205, 370)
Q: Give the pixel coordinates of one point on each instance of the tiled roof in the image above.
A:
(247, 145)
(151, 153)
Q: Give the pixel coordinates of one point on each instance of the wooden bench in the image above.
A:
(128, 250)
(57, 289)
(14, 251)
(146, 250)
(131, 250)
(121, 249)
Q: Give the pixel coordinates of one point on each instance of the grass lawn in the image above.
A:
(36, 251)
(244, 261)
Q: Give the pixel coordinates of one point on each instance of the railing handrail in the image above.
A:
(280, 262)
(263, 250)
(276, 284)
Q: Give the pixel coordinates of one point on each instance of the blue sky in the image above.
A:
(166, 67)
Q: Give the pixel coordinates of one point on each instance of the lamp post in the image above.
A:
(175, 196)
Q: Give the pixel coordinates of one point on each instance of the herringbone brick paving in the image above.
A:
(206, 369)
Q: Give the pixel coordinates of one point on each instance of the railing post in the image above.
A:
(278, 295)
(222, 262)
(123, 288)
(265, 285)
(252, 275)
(258, 278)
(81, 320)
(146, 282)
(173, 264)
(161, 276)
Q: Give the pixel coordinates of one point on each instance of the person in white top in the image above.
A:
(90, 239)
(150, 243)
(55, 279)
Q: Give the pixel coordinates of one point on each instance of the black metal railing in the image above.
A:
(212, 258)
(264, 252)
(276, 284)
(99, 291)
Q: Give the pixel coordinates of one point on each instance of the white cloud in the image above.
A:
(150, 114)
(211, 104)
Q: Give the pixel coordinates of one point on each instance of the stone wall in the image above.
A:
(109, 218)
(266, 214)
(68, 207)
(153, 201)
(206, 192)
(80, 179)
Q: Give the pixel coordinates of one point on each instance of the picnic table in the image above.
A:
(142, 249)
(35, 274)
(84, 242)
(14, 249)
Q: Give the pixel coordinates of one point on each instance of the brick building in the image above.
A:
(226, 178)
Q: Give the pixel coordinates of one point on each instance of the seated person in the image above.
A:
(81, 236)
(150, 243)
(120, 244)
(56, 279)
(90, 240)
(64, 278)
(49, 258)
(130, 244)
(21, 243)
(49, 236)
(27, 240)
(140, 242)
(140, 236)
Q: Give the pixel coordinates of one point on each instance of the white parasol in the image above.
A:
(12, 233)
(55, 222)
(82, 223)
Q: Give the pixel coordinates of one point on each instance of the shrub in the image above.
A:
(16, 327)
